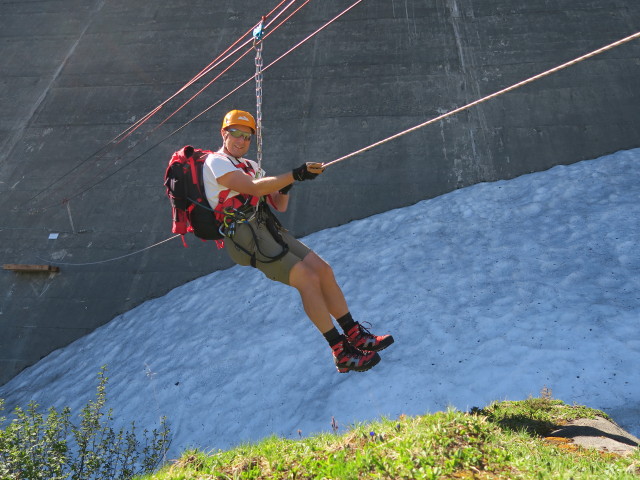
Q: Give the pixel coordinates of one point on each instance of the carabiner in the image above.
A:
(258, 32)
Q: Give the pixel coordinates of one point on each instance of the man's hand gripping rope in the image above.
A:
(308, 171)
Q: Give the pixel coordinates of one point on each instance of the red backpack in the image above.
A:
(191, 210)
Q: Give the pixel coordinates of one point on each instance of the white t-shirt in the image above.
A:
(218, 164)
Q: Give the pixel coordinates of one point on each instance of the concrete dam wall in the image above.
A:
(77, 73)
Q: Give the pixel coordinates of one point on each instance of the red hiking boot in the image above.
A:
(363, 340)
(347, 358)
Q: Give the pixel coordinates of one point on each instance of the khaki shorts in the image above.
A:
(275, 270)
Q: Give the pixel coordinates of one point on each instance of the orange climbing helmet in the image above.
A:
(239, 117)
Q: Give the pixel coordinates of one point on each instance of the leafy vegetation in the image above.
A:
(505, 440)
(502, 441)
(36, 447)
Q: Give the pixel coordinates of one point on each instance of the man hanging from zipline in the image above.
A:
(241, 194)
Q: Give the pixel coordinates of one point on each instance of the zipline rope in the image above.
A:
(83, 191)
(211, 66)
(220, 59)
(111, 144)
(489, 97)
(251, 78)
(249, 41)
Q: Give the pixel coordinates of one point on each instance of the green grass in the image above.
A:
(503, 440)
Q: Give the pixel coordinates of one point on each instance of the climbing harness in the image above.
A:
(253, 220)
(254, 212)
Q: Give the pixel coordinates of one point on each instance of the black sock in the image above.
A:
(346, 322)
(333, 336)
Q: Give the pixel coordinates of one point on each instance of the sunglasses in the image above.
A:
(235, 133)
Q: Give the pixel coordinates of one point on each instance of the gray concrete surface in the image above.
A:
(600, 434)
(76, 73)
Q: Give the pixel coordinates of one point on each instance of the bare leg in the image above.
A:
(305, 279)
(331, 291)
(323, 297)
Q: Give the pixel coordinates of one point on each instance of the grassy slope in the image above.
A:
(504, 440)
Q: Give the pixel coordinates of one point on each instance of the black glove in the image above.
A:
(285, 190)
(307, 171)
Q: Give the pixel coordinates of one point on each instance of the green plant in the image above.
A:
(480, 445)
(36, 447)
(33, 446)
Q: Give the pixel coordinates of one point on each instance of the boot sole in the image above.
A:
(362, 368)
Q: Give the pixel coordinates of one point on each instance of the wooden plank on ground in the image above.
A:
(30, 268)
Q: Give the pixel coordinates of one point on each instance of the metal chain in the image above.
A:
(257, 43)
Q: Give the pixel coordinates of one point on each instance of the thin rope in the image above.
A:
(212, 65)
(118, 139)
(218, 63)
(489, 97)
(52, 262)
(264, 69)
(81, 192)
